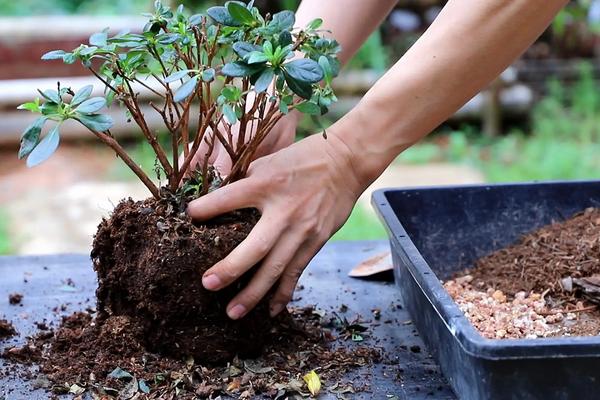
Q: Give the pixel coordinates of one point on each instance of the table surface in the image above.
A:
(47, 282)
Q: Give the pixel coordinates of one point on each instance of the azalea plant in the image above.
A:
(225, 77)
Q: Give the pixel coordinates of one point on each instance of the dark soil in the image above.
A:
(158, 334)
(15, 298)
(150, 257)
(6, 329)
(110, 359)
(539, 260)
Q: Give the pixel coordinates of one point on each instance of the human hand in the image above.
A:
(305, 193)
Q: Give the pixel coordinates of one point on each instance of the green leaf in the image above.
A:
(304, 70)
(208, 75)
(51, 95)
(99, 39)
(315, 24)
(54, 55)
(92, 105)
(49, 108)
(119, 373)
(96, 122)
(229, 114)
(285, 38)
(283, 20)
(232, 93)
(302, 89)
(327, 70)
(256, 57)
(177, 75)
(69, 58)
(186, 89)
(264, 80)
(82, 95)
(308, 107)
(240, 69)
(31, 137)
(240, 13)
(222, 16)
(244, 48)
(33, 106)
(45, 148)
(283, 108)
(195, 19)
(86, 51)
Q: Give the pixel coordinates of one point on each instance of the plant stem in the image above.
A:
(113, 144)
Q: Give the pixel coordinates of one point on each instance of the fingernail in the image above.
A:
(237, 311)
(276, 309)
(211, 282)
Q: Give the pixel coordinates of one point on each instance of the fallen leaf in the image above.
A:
(313, 382)
(372, 266)
(256, 368)
(76, 389)
(144, 386)
(119, 373)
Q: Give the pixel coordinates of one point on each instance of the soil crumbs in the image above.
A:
(15, 298)
(108, 361)
(6, 329)
(545, 285)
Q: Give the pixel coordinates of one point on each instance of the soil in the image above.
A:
(529, 276)
(541, 259)
(110, 359)
(15, 298)
(6, 329)
(157, 333)
(150, 257)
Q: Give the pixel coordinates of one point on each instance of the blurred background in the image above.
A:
(538, 121)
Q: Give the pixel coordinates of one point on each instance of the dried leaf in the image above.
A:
(313, 382)
(372, 266)
(76, 389)
(256, 368)
(119, 373)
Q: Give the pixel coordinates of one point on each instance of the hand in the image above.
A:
(305, 193)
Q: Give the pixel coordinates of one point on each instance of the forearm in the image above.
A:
(468, 45)
(350, 21)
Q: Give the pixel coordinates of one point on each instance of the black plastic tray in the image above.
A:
(436, 231)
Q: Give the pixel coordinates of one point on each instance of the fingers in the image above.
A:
(240, 194)
(223, 163)
(269, 272)
(246, 255)
(289, 279)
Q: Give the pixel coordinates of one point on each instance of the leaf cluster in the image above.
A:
(230, 66)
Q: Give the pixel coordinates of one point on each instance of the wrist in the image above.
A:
(368, 140)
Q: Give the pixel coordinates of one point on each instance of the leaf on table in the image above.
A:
(372, 266)
(313, 382)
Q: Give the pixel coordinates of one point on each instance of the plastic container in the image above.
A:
(436, 231)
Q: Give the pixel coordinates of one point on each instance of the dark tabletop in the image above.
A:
(48, 282)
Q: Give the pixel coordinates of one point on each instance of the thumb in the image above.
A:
(227, 198)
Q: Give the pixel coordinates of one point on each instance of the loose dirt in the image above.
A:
(521, 290)
(6, 329)
(110, 360)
